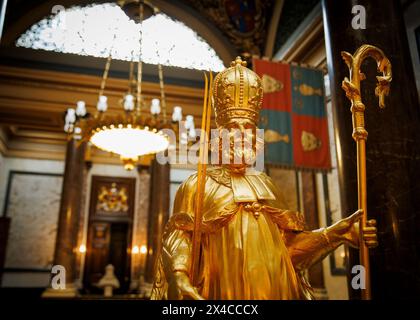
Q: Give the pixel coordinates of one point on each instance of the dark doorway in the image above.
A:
(118, 254)
(110, 231)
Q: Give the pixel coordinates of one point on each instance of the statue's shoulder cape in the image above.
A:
(225, 194)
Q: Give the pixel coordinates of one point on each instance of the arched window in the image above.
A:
(97, 29)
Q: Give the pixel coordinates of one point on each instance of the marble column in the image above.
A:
(158, 214)
(83, 221)
(138, 263)
(310, 209)
(68, 220)
(393, 144)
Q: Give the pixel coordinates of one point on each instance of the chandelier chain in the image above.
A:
(131, 74)
(162, 88)
(140, 63)
(107, 66)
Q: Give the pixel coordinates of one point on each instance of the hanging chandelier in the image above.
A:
(132, 133)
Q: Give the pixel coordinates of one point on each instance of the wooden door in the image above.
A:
(98, 252)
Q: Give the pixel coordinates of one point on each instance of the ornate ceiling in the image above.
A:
(243, 22)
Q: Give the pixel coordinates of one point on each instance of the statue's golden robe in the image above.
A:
(244, 252)
(251, 246)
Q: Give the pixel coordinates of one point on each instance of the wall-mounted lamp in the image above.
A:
(143, 249)
(82, 248)
(135, 250)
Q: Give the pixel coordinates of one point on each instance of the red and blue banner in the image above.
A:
(293, 116)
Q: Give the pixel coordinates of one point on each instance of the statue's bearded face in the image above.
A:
(238, 143)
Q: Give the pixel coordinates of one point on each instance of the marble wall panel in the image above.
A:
(33, 205)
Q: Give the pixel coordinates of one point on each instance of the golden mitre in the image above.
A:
(237, 94)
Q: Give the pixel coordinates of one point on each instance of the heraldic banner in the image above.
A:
(294, 116)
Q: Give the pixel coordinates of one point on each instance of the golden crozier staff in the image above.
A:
(352, 89)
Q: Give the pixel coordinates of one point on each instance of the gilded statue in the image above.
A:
(252, 246)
